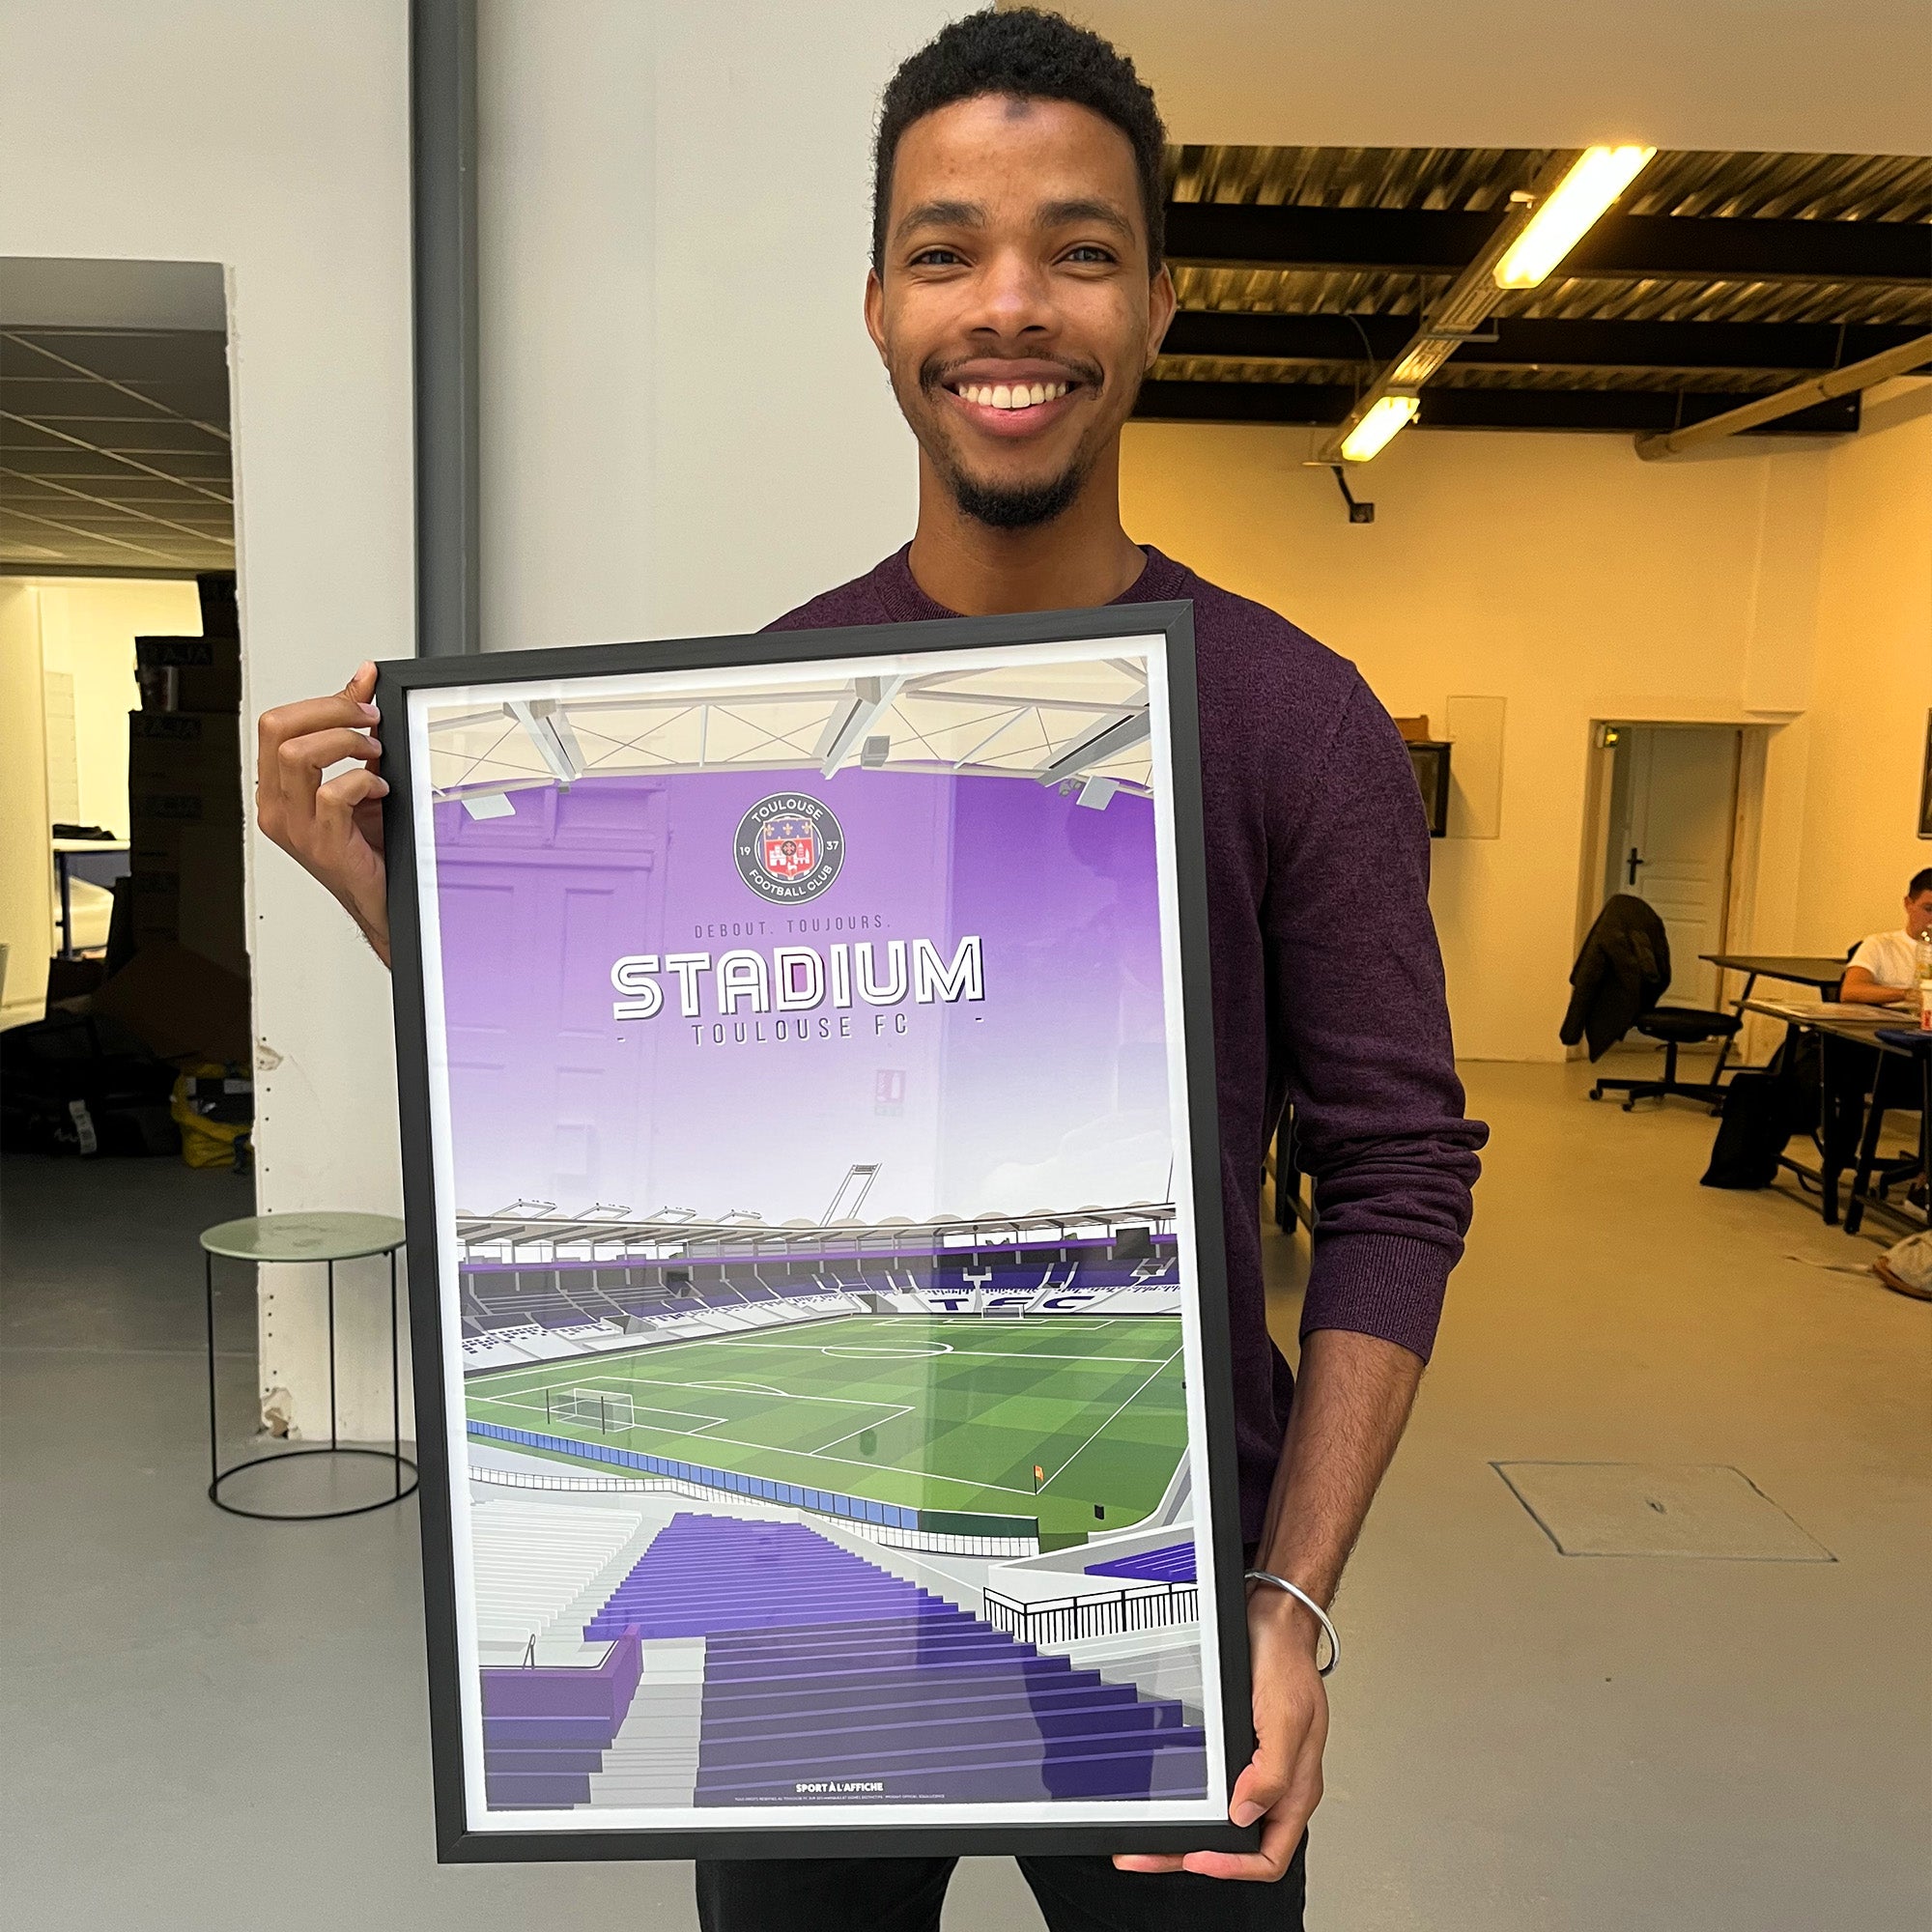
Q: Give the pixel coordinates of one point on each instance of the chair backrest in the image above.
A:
(1838, 991)
(1626, 916)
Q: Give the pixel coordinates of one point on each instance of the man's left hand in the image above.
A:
(1282, 1783)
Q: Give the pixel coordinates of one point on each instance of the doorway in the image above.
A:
(125, 1022)
(1671, 832)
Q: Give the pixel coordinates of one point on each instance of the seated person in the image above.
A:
(1884, 970)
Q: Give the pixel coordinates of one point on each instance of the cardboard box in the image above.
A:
(185, 802)
(174, 739)
(188, 673)
(185, 885)
(189, 651)
(220, 617)
(184, 767)
(182, 1004)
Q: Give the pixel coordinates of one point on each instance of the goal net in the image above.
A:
(590, 1409)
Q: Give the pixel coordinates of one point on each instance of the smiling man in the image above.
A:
(1017, 297)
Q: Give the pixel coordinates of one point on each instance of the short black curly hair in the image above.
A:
(1031, 56)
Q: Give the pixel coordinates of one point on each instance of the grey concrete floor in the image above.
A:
(214, 1723)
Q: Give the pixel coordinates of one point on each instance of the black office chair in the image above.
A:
(1675, 1027)
(1622, 971)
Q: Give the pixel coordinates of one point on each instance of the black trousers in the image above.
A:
(905, 1895)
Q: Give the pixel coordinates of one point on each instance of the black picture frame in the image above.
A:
(1926, 785)
(455, 1840)
(1429, 757)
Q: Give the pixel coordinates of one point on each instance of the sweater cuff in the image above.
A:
(1389, 1286)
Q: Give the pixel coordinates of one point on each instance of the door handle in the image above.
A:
(1633, 861)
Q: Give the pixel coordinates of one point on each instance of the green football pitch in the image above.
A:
(945, 1412)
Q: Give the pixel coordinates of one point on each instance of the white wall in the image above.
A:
(271, 136)
(684, 427)
(1769, 583)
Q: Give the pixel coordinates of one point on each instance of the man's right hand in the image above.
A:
(332, 829)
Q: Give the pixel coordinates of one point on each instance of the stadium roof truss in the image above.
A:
(1057, 724)
(539, 1242)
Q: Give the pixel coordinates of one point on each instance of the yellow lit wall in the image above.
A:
(26, 923)
(1873, 684)
(85, 628)
(1563, 575)
(88, 627)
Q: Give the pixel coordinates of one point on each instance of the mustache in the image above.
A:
(936, 370)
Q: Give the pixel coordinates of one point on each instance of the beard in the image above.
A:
(1016, 506)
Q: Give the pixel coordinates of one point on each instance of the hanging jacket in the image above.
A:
(1622, 971)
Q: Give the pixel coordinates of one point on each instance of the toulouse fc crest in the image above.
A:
(790, 847)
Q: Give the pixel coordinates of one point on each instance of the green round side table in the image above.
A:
(326, 1237)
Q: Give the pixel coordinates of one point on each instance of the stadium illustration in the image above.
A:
(814, 1492)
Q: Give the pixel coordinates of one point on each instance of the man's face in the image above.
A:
(1017, 316)
(1919, 914)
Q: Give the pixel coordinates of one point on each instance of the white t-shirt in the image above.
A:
(1888, 957)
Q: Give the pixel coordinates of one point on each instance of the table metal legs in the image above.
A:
(213, 1441)
(1290, 1210)
(395, 1384)
(393, 1455)
(1724, 1044)
(1829, 1165)
(1861, 1196)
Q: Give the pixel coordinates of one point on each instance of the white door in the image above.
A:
(1672, 843)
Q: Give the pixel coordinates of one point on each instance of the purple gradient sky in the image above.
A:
(1050, 1093)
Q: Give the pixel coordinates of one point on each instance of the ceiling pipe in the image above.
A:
(442, 188)
(1834, 383)
(1459, 312)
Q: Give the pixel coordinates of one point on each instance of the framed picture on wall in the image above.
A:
(1926, 785)
(819, 1326)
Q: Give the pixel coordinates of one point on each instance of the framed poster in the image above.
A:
(1926, 785)
(813, 1200)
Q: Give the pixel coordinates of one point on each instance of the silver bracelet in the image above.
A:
(1301, 1596)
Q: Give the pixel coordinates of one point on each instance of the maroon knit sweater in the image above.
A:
(1327, 978)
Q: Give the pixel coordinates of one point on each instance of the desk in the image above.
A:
(1828, 1020)
(1911, 1044)
(66, 852)
(1800, 969)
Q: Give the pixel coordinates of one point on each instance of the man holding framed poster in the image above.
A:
(1017, 298)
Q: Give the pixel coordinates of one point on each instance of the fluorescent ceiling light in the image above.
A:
(1567, 214)
(1384, 417)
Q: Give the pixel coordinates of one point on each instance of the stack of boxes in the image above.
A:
(184, 803)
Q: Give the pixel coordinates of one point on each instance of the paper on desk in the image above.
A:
(1842, 1010)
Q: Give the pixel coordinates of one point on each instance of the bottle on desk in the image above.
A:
(1922, 961)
